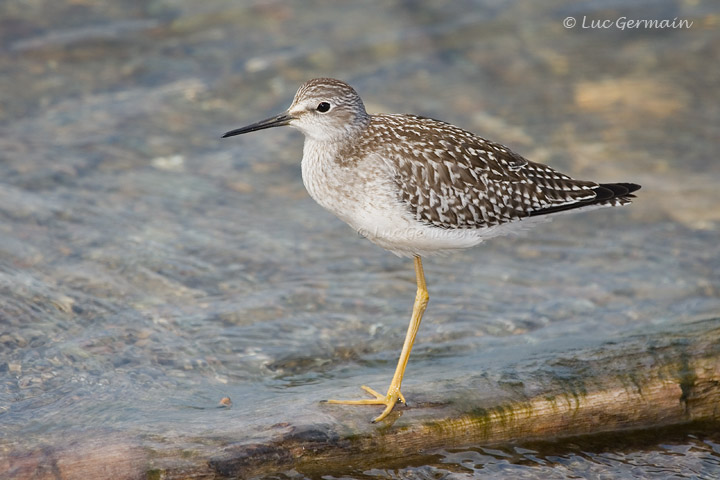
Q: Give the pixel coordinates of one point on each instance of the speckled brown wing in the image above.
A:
(450, 178)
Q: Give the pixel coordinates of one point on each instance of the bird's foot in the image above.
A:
(389, 400)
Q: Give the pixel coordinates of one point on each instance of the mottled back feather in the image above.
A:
(450, 178)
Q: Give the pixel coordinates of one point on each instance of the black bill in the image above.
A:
(278, 121)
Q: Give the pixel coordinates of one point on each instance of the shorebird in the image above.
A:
(418, 186)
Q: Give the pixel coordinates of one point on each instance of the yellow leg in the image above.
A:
(393, 394)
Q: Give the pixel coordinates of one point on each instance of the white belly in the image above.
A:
(365, 198)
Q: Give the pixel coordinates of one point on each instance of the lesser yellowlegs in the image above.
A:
(418, 186)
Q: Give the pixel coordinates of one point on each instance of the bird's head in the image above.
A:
(324, 109)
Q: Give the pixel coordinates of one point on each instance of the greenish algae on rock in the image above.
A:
(681, 386)
(668, 378)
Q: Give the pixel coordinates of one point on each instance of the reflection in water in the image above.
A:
(688, 456)
(624, 455)
(694, 459)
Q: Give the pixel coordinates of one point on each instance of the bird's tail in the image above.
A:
(606, 195)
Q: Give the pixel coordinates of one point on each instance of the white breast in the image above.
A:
(364, 195)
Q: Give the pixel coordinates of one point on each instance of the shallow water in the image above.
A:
(680, 455)
(148, 269)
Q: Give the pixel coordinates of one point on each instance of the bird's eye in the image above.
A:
(323, 107)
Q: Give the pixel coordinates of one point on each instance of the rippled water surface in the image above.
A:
(149, 269)
(678, 456)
